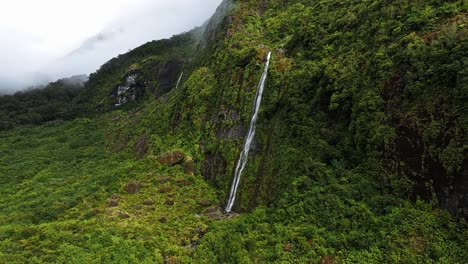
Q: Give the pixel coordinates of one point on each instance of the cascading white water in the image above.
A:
(250, 136)
(178, 82)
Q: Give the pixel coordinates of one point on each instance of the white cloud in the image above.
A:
(37, 34)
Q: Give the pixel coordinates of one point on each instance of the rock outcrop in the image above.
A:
(130, 88)
(172, 157)
(154, 77)
(132, 187)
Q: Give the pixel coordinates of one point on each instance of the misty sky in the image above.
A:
(49, 39)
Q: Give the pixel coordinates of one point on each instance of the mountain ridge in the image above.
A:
(359, 154)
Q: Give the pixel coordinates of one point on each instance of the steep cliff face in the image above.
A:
(129, 90)
(378, 87)
(154, 78)
(361, 139)
(150, 70)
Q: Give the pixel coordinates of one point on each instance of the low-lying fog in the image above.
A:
(46, 40)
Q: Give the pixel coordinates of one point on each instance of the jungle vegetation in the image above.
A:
(360, 154)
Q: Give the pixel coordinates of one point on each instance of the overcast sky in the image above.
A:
(50, 39)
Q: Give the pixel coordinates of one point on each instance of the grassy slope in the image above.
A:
(322, 132)
(56, 181)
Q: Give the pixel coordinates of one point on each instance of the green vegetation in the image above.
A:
(66, 199)
(37, 106)
(340, 215)
(95, 95)
(360, 153)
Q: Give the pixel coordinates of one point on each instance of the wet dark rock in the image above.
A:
(237, 131)
(450, 187)
(217, 213)
(455, 197)
(200, 233)
(130, 88)
(213, 166)
(133, 86)
(168, 76)
(255, 147)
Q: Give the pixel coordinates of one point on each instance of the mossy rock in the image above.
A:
(204, 202)
(132, 187)
(112, 203)
(148, 202)
(165, 189)
(172, 157)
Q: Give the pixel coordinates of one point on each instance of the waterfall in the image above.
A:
(178, 82)
(248, 140)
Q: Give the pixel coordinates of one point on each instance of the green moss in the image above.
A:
(363, 110)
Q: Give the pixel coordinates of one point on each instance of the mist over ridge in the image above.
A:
(27, 64)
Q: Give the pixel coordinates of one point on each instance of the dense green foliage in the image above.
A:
(53, 102)
(360, 148)
(365, 98)
(349, 89)
(57, 183)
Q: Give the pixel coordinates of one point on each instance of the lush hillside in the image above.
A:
(360, 154)
(67, 199)
(40, 105)
(150, 61)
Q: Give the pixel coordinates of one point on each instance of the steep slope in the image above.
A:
(40, 105)
(360, 141)
(155, 66)
(338, 74)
